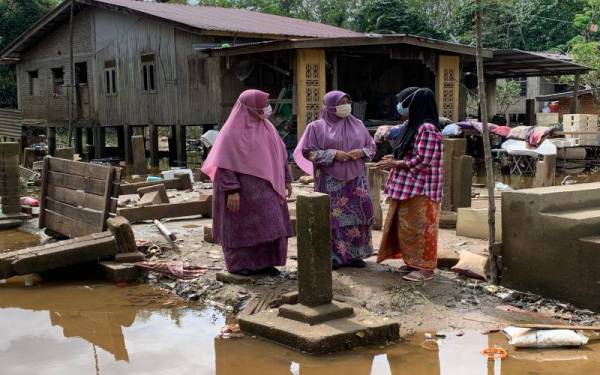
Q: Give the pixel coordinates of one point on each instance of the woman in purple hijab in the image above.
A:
(334, 150)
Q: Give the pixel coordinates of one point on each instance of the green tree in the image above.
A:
(507, 94)
(393, 16)
(15, 17)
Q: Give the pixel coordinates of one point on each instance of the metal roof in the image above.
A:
(565, 94)
(514, 63)
(345, 42)
(10, 123)
(200, 19)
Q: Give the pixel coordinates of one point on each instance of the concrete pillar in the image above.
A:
(79, 141)
(153, 134)
(121, 139)
(545, 172)
(9, 178)
(181, 144)
(375, 179)
(314, 250)
(99, 141)
(462, 180)
(51, 139)
(530, 112)
(172, 147)
(453, 147)
(139, 155)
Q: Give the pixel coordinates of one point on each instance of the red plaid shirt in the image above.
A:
(424, 174)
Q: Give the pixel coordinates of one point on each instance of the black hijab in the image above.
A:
(422, 109)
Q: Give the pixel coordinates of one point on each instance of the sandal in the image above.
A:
(405, 270)
(417, 276)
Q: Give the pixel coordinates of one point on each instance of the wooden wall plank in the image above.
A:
(77, 198)
(77, 168)
(89, 185)
(67, 226)
(44, 193)
(85, 215)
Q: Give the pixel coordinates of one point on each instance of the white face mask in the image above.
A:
(267, 112)
(343, 110)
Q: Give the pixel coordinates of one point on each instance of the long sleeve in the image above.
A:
(228, 181)
(427, 144)
(319, 157)
(370, 150)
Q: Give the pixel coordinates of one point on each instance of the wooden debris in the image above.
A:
(151, 198)
(123, 233)
(57, 255)
(180, 182)
(165, 231)
(160, 189)
(160, 211)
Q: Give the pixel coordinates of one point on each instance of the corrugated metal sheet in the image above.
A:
(10, 123)
(232, 20)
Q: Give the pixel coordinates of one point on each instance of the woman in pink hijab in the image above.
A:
(251, 180)
(334, 150)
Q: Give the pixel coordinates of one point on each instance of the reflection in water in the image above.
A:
(102, 329)
(15, 239)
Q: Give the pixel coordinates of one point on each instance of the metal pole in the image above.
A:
(71, 88)
(486, 147)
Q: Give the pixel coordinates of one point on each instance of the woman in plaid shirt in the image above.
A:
(414, 187)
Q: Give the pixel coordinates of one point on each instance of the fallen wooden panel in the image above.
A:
(160, 211)
(76, 197)
(56, 255)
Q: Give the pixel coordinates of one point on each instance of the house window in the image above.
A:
(523, 83)
(110, 77)
(148, 72)
(196, 72)
(34, 83)
(58, 81)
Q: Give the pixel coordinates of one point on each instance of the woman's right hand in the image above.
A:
(233, 202)
(342, 156)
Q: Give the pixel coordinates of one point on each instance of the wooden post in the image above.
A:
(172, 146)
(530, 110)
(181, 144)
(99, 141)
(486, 145)
(375, 181)
(153, 134)
(71, 87)
(334, 80)
(79, 141)
(127, 133)
(139, 155)
(124, 237)
(51, 139)
(575, 99)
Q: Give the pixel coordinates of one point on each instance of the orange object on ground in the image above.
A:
(493, 353)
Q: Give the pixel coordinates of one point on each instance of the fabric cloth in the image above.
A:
(351, 209)
(538, 135)
(410, 232)
(173, 270)
(248, 144)
(502, 131)
(258, 257)
(256, 235)
(331, 132)
(451, 130)
(424, 174)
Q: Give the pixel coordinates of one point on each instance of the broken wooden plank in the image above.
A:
(160, 211)
(86, 215)
(67, 226)
(74, 182)
(57, 255)
(181, 182)
(77, 198)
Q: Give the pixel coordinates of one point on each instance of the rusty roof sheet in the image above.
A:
(231, 20)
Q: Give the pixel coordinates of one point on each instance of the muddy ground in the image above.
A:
(446, 302)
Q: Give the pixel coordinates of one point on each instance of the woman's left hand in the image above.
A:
(357, 154)
(288, 187)
(389, 163)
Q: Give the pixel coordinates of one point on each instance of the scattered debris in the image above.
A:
(551, 338)
(170, 236)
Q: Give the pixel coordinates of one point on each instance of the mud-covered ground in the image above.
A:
(446, 302)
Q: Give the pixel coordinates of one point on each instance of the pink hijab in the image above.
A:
(248, 144)
(333, 132)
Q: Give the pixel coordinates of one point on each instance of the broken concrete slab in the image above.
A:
(119, 272)
(56, 255)
(123, 233)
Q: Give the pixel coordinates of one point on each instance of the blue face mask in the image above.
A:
(401, 110)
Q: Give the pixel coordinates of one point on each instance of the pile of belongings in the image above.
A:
(533, 135)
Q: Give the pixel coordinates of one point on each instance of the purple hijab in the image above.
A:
(331, 132)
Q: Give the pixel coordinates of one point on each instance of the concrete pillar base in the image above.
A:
(317, 314)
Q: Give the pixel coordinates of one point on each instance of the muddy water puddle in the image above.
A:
(15, 239)
(102, 329)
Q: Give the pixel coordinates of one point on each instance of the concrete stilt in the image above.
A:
(51, 139)
(78, 141)
(317, 324)
(181, 144)
(127, 148)
(139, 155)
(375, 179)
(153, 134)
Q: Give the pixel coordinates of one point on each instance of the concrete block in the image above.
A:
(119, 272)
(473, 223)
(132, 257)
(208, 236)
(150, 198)
(317, 314)
(160, 188)
(462, 180)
